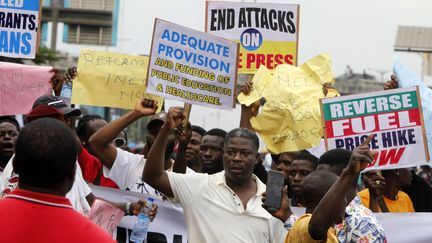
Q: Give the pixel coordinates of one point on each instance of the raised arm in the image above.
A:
(153, 173)
(183, 139)
(333, 204)
(100, 141)
(247, 112)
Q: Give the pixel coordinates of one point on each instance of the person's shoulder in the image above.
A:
(128, 156)
(363, 193)
(86, 230)
(403, 196)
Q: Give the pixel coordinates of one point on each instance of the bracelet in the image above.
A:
(128, 205)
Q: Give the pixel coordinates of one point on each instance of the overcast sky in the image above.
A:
(358, 33)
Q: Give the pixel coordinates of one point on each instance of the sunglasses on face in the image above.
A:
(119, 142)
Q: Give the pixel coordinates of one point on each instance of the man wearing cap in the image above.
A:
(80, 194)
(69, 113)
(38, 210)
(79, 191)
(123, 167)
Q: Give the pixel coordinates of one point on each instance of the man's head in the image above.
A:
(87, 126)
(302, 165)
(9, 129)
(283, 163)
(69, 113)
(45, 156)
(211, 151)
(315, 186)
(334, 160)
(193, 148)
(398, 177)
(153, 126)
(240, 155)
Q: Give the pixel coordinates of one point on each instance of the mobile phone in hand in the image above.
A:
(275, 183)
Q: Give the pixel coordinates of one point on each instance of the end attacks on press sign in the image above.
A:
(393, 116)
(19, 20)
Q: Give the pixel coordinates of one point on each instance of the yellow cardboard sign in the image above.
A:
(111, 79)
(261, 81)
(290, 119)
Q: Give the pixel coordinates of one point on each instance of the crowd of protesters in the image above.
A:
(216, 176)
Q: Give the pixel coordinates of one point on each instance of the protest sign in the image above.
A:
(261, 82)
(19, 28)
(111, 79)
(407, 78)
(105, 215)
(21, 85)
(290, 119)
(394, 116)
(168, 226)
(267, 33)
(192, 66)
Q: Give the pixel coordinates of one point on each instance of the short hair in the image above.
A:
(216, 132)
(306, 155)
(315, 186)
(243, 133)
(335, 157)
(11, 120)
(83, 124)
(46, 152)
(125, 135)
(201, 131)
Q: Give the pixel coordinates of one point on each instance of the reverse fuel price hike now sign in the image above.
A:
(394, 116)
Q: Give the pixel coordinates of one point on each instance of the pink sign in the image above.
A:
(105, 215)
(21, 85)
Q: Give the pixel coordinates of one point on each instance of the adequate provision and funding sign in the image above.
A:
(192, 66)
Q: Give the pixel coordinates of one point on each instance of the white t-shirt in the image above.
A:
(127, 171)
(214, 213)
(77, 195)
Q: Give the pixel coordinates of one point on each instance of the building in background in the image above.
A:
(417, 40)
(68, 26)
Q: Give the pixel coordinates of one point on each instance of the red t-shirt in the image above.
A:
(28, 216)
(91, 168)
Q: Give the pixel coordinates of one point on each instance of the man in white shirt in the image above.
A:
(223, 207)
(126, 168)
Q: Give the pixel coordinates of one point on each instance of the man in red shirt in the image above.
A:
(45, 156)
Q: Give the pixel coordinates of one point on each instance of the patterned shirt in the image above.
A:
(359, 225)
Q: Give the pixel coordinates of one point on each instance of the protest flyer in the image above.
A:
(290, 120)
(111, 79)
(21, 85)
(192, 66)
(393, 116)
(19, 28)
(267, 33)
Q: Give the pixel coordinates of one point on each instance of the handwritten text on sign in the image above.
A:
(21, 85)
(19, 23)
(394, 116)
(192, 66)
(111, 79)
(290, 119)
(105, 215)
